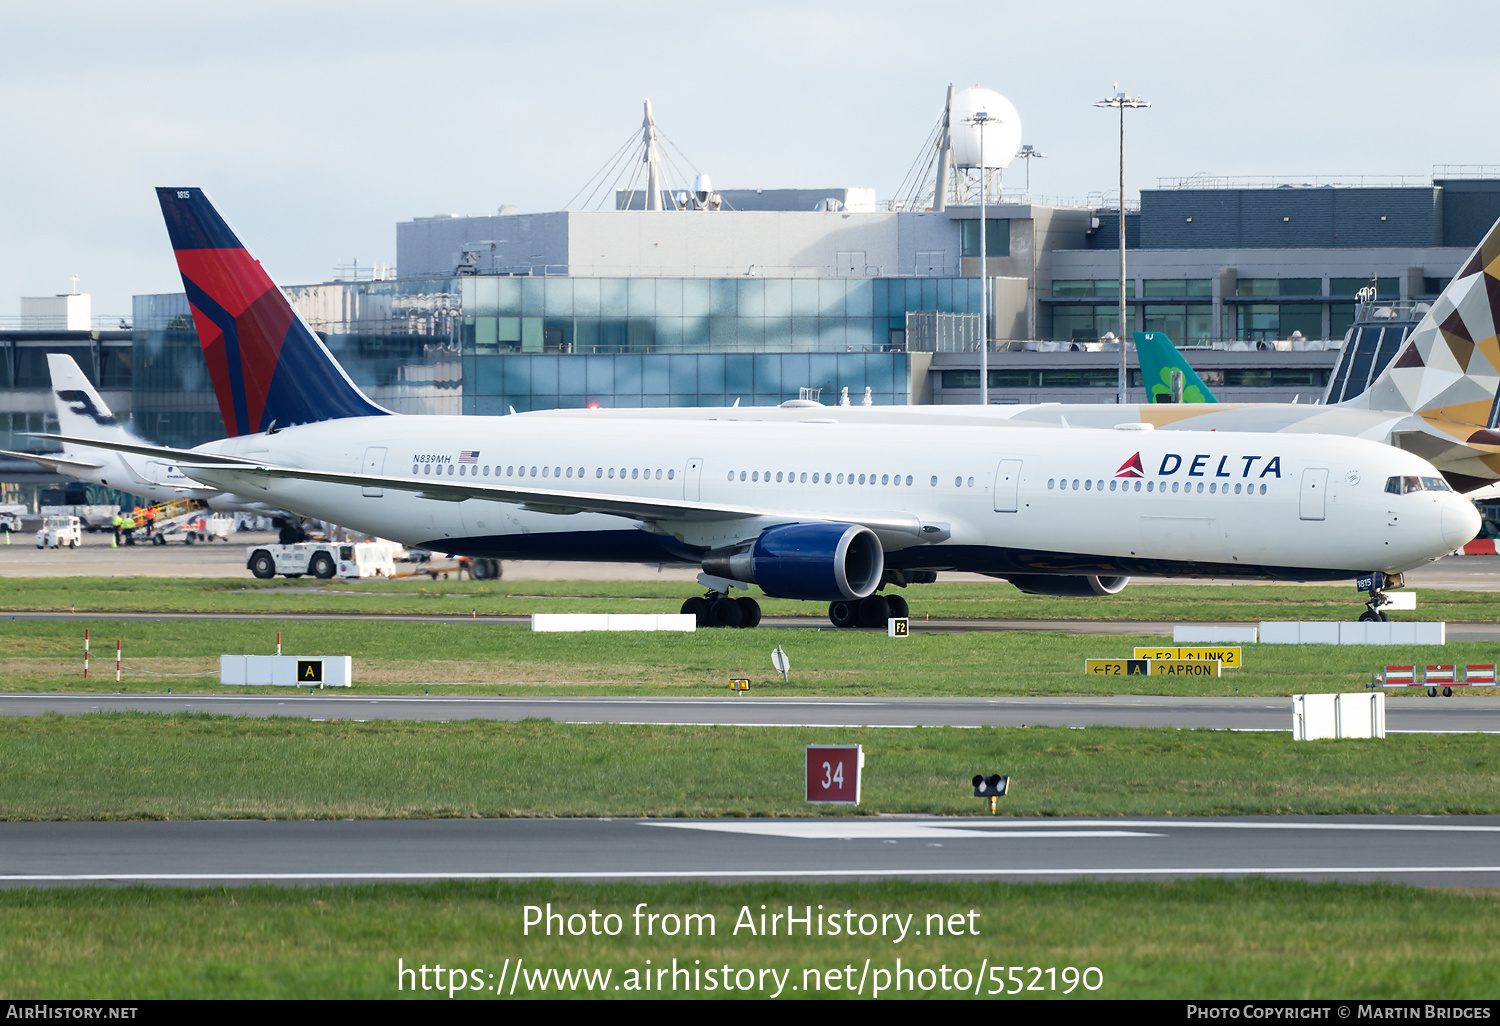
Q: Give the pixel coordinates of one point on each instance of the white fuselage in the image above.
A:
(1004, 498)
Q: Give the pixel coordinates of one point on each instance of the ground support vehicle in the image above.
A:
(201, 527)
(92, 518)
(323, 560)
(60, 532)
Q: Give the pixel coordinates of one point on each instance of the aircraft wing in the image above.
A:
(59, 463)
(541, 500)
(190, 457)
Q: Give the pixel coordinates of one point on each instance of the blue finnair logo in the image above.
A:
(1228, 466)
(83, 405)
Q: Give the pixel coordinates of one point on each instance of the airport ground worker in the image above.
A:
(128, 526)
(119, 523)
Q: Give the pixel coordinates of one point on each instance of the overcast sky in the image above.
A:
(316, 126)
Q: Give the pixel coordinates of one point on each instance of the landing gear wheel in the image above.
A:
(1432, 692)
(725, 612)
(899, 608)
(263, 566)
(292, 535)
(749, 611)
(698, 607)
(874, 610)
(322, 566)
(1447, 692)
(1371, 616)
(843, 613)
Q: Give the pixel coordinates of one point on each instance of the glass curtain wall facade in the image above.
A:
(494, 384)
(693, 315)
(486, 344)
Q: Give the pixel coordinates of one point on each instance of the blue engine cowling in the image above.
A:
(824, 562)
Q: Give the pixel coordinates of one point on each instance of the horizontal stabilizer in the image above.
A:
(59, 463)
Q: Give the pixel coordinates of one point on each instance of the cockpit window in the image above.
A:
(1407, 485)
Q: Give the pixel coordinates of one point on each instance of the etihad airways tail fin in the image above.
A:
(267, 365)
(1446, 377)
(1449, 367)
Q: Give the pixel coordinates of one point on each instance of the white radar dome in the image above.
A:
(1002, 135)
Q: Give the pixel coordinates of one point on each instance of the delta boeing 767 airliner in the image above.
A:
(808, 508)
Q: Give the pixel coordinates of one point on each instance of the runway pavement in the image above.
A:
(1448, 851)
(1408, 714)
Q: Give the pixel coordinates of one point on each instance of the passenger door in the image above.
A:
(374, 465)
(1008, 486)
(1312, 504)
(692, 479)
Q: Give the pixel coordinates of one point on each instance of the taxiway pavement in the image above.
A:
(1408, 714)
(1450, 851)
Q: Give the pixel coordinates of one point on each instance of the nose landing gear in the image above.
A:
(1376, 584)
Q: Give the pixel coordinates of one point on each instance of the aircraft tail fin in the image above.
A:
(81, 411)
(1448, 370)
(1159, 358)
(266, 364)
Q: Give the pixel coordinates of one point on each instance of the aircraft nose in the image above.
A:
(1460, 521)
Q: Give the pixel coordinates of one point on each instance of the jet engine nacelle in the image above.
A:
(1069, 586)
(823, 562)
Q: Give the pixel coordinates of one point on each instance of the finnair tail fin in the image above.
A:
(1159, 358)
(1448, 372)
(266, 364)
(81, 411)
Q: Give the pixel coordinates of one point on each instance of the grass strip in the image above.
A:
(195, 766)
(1239, 939)
(1187, 603)
(405, 657)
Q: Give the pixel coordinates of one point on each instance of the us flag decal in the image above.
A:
(468, 457)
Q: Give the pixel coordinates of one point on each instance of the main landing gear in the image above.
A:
(290, 532)
(716, 609)
(871, 611)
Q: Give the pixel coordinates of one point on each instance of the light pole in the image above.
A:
(982, 118)
(1122, 101)
(1026, 153)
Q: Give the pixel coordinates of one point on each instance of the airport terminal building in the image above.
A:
(761, 294)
